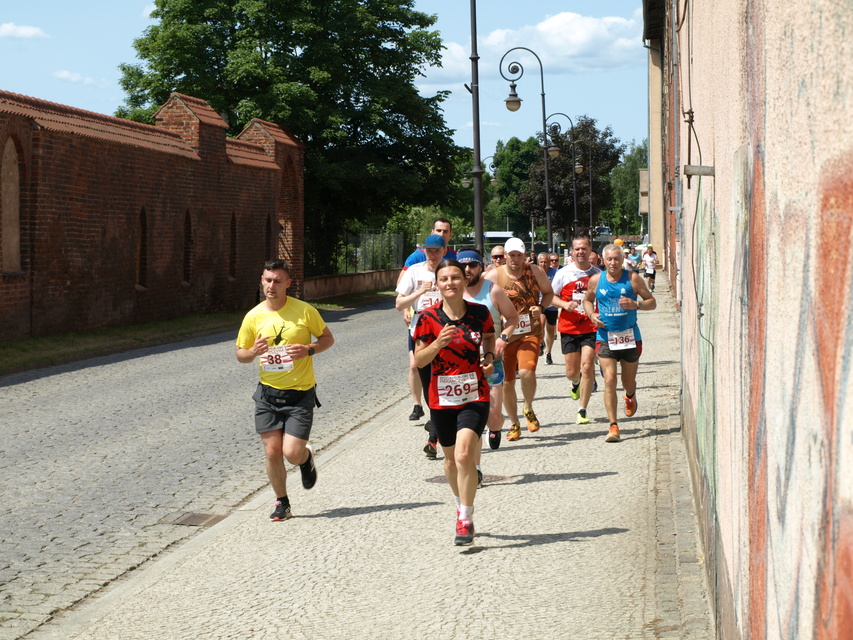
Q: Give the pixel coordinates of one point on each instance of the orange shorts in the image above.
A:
(523, 354)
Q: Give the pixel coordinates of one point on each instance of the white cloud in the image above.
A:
(146, 12)
(12, 30)
(566, 43)
(77, 78)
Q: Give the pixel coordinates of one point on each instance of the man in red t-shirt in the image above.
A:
(577, 332)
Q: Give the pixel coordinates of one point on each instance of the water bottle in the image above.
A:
(497, 375)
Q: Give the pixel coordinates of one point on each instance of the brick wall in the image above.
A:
(87, 182)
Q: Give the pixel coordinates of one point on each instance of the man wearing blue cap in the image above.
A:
(417, 290)
(440, 227)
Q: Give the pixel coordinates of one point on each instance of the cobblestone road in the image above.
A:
(577, 539)
(96, 456)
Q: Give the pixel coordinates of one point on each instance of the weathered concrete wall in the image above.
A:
(765, 260)
(328, 286)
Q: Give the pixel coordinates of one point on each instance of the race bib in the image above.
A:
(429, 299)
(621, 339)
(578, 297)
(523, 324)
(454, 391)
(277, 360)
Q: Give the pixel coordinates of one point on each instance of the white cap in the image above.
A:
(515, 244)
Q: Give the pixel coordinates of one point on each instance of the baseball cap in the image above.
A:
(435, 240)
(514, 244)
(469, 256)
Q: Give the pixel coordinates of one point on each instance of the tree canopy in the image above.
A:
(597, 151)
(339, 74)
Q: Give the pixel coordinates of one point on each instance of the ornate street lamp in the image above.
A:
(513, 103)
(467, 183)
(555, 130)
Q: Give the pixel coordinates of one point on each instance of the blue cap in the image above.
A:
(469, 256)
(435, 240)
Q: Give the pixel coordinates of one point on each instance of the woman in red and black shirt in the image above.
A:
(450, 336)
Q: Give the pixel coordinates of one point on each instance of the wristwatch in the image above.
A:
(310, 351)
(504, 337)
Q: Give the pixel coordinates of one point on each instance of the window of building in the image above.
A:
(10, 208)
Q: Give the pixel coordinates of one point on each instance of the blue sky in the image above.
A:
(592, 55)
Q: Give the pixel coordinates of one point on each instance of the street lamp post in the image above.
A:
(513, 103)
(555, 130)
(590, 188)
(477, 170)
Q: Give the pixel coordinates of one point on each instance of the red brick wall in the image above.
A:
(81, 204)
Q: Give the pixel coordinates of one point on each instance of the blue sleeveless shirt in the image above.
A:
(612, 315)
(485, 298)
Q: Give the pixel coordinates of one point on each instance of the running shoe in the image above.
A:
(532, 422)
(630, 406)
(575, 391)
(514, 432)
(494, 439)
(309, 469)
(429, 450)
(282, 512)
(613, 434)
(548, 359)
(582, 417)
(479, 479)
(542, 349)
(464, 533)
(417, 413)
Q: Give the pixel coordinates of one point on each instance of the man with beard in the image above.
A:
(525, 285)
(577, 333)
(485, 292)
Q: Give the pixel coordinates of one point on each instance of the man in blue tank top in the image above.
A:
(612, 300)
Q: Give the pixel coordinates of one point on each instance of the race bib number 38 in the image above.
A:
(277, 360)
(621, 339)
(454, 391)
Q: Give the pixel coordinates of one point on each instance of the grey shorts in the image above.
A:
(290, 410)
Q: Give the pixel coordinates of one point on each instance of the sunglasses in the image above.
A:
(499, 256)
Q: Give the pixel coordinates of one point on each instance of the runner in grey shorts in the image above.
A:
(278, 334)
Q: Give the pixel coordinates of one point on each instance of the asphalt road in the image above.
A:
(98, 458)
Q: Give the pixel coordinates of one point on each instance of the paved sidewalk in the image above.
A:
(576, 538)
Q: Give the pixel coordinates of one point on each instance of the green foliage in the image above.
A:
(591, 148)
(339, 74)
(622, 216)
(514, 162)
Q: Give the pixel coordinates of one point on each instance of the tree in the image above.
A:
(598, 152)
(514, 161)
(623, 216)
(339, 74)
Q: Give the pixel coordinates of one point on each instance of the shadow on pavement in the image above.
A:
(544, 538)
(548, 477)
(346, 512)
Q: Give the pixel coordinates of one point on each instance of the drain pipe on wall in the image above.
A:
(678, 209)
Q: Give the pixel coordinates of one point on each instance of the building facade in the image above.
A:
(751, 198)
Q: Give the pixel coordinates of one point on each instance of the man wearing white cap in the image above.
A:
(524, 284)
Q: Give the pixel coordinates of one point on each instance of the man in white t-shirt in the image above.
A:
(417, 290)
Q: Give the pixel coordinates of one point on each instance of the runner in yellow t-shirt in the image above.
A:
(279, 330)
